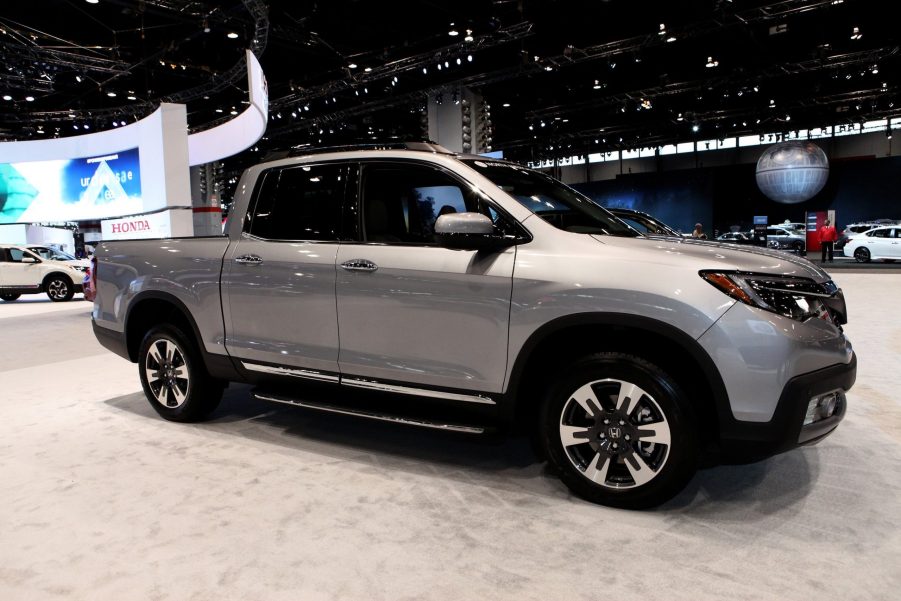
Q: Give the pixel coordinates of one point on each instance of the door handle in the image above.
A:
(359, 265)
(249, 260)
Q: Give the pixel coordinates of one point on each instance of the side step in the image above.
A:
(408, 421)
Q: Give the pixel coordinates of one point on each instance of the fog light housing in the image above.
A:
(824, 406)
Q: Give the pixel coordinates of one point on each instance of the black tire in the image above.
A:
(189, 398)
(9, 297)
(862, 255)
(59, 288)
(622, 443)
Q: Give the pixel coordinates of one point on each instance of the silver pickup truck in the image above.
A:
(466, 293)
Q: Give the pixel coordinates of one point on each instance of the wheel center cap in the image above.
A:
(614, 432)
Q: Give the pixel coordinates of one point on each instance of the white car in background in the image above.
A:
(877, 243)
(23, 271)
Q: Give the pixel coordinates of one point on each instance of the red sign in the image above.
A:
(138, 225)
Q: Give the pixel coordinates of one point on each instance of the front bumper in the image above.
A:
(742, 441)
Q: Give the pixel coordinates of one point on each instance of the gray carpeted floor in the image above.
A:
(101, 499)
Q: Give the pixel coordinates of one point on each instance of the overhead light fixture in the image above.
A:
(772, 103)
(206, 26)
(695, 127)
(453, 30)
(218, 110)
(662, 29)
(233, 112)
(232, 35)
(469, 58)
(875, 69)
(506, 104)
(425, 71)
(680, 117)
(131, 97)
(468, 37)
(367, 69)
(7, 97)
(788, 117)
(29, 98)
(78, 78)
(711, 63)
(92, 1)
(352, 66)
(855, 34)
(86, 126)
(111, 94)
(671, 39)
(459, 61)
(597, 85)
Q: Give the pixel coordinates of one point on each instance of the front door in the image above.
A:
(409, 310)
(278, 280)
(19, 274)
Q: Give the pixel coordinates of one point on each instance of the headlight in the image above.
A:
(79, 268)
(796, 298)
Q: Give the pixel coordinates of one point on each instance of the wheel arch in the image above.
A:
(573, 336)
(46, 281)
(153, 307)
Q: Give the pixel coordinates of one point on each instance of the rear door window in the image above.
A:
(299, 203)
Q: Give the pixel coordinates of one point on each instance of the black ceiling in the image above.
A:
(578, 76)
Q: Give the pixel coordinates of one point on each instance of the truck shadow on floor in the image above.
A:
(503, 463)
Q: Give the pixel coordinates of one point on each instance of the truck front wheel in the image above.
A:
(174, 378)
(619, 431)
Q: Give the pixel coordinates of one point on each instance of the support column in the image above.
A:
(206, 186)
(460, 120)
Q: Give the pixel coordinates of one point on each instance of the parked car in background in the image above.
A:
(735, 238)
(877, 243)
(24, 272)
(645, 223)
(781, 238)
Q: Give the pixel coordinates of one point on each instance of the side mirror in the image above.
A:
(29, 260)
(468, 231)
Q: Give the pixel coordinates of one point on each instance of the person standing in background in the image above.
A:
(699, 232)
(827, 240)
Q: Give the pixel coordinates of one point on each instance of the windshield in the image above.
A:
(559, 205)
(49, 254)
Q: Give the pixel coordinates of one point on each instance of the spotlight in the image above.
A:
(875, 69)
(459, 61)
(367, 69)
(7, 97)
(78, 78)
(425, 71)
(29, 98)
(352, 66)
(711, 63)
(469, 58)
(506, 104)
(111, 94)
(232, 35)
(662, 29)
(671, 39)
(453, 31)
(468, 37)
(855, 34)
(695, 127)
(130, 97)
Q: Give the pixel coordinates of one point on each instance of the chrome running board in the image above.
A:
(368, 414)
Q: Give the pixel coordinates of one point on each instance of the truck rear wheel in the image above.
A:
(174, 378)
(619, 431)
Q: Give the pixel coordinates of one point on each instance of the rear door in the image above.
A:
(278, 280)
(894, 243)
(409, 310)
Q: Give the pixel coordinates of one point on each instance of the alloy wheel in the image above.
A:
(58, 289)
(862, 255)
(615, 433)
(167, 373)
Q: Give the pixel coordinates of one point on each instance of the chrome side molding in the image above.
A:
(435, 394)
(287, 371)
(368, 384)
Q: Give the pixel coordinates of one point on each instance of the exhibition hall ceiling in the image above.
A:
(561, 77)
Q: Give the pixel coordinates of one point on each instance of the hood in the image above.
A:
(75, 263)
(708, 254)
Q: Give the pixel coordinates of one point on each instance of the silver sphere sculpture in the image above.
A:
(792, 172)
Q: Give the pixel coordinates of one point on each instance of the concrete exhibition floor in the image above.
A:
(101, 499)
